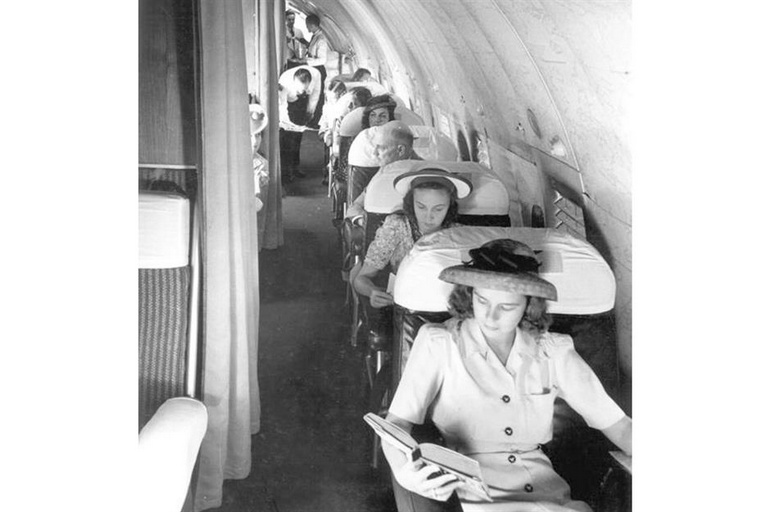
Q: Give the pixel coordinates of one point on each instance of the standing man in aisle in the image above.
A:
(317, 54)
(299, 90)
(295, 43)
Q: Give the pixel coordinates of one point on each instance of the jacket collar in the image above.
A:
(475, 343)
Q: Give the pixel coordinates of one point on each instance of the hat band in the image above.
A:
(496, 260)
(420, 180)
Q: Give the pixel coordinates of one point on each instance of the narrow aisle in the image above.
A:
(312, 453)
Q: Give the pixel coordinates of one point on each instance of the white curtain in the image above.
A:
(230, 250)
(269, 27)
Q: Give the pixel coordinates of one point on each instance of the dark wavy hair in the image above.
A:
(381, 101)
(408, 204)
(536, 318)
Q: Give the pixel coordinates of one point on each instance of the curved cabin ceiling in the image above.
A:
(546, 81)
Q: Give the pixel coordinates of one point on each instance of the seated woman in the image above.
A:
(430, 204)
(378, 111)
(488, 378)
(357, 97)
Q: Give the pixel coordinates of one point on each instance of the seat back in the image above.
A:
(350, 126)
(486, 205)
(584, 281)
(352, 122)
(431, 144)
(407, 116)
(375, 88)
(164, 295)
(362, 163)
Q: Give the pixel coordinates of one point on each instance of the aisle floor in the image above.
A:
(313, 450)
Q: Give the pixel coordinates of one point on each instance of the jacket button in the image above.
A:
(511, 459)
(508, 431)
(529, 488)
(506, 398)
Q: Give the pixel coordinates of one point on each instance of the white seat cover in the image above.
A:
(351, 123)
(361, 153)
(489, 196)
(432, 145)
(164, 230)
(375, 88)
(584, 281)
(407, 116)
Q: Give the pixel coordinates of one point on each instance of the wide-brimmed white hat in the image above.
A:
(258, 118)
(434, 173)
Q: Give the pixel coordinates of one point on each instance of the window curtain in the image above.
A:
(230, 251)
(269, 26)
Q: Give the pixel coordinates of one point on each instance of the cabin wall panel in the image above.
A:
(167, 133)
(485, 64)
(613, 240)
(583, 51)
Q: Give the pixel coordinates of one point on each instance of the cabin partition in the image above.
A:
(193, 113)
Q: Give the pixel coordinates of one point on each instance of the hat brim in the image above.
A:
(403, 183)
(525, 283)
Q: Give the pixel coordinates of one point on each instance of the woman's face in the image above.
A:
(430, 208)
(378, 116)
(498, 313)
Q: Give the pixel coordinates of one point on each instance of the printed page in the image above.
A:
(391, 282)
(391, 433)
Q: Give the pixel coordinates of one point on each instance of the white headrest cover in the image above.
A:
(584, 281)
(432, 145)
(164, 230)
(361, 153)
(408, 117)
(489, 196)
(375, 88)
(351, 123)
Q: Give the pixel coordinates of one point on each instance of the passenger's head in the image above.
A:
(500, 288)
(392, 141)
(290, 19)
(337, 88)
(359, 97)
(361, 75)
(378, 111)
(313, 23)
(302, 80)
(430, 196)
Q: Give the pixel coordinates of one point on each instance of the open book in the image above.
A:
(449, 461)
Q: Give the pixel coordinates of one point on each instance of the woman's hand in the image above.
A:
(380, 299)
(416, 477)
(620, 434)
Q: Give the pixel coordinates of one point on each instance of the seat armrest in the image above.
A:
(168, 448)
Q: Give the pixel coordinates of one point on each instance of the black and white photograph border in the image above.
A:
(698, 110)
